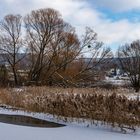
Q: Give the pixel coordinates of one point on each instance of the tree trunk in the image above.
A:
(137, 89)
(15, 77)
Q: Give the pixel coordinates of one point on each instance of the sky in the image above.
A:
(115, 21)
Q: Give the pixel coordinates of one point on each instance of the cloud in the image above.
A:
(118, 32)
(81, 13)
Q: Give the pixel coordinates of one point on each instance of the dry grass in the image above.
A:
(107, 106)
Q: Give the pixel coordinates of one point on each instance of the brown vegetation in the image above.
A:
(106, 106)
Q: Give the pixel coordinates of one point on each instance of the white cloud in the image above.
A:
(80, 14)
(119, 32)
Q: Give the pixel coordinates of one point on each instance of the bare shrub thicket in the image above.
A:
(108, 107)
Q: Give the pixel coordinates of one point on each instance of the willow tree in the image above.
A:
(54, 45)
(50, 39)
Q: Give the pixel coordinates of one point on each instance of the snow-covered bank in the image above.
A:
(69, 132)
(12, 132)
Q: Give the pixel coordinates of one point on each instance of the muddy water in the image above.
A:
(27, 121)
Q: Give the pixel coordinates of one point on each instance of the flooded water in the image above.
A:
(27, 121)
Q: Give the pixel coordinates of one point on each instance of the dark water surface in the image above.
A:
(27, 121)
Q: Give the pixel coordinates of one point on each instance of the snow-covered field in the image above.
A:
(69, 132)
(13, 132)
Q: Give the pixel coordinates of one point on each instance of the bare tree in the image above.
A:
(49, 38)
(129, 58)
(54, 46)
(64, 50)
(74, 49)
(11, 41)
(41, 25)
(95, 56)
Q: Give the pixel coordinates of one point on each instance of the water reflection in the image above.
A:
(27, 121)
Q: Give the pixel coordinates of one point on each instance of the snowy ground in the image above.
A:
(115, 81)
(69, 132)
(12, 132)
